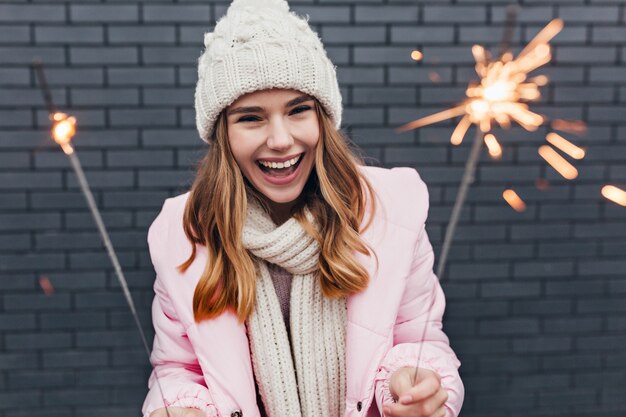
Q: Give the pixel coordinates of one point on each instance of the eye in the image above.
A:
(249, 119)
(300, 109)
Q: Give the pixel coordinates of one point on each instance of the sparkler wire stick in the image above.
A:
(84, 185)
(466, 181)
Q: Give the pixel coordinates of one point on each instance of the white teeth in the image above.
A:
(285, 164)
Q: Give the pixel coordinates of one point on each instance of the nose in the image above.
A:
(279, 137)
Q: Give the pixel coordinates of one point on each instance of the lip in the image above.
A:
(280, 159)
(284, 180)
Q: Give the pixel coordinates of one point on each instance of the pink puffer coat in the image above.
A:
(207, 365)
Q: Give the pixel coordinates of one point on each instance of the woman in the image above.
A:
(292, 280)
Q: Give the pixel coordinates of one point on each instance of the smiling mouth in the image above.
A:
(281, 172)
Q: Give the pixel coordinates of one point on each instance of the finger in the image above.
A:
(441, 412)
(424, 389)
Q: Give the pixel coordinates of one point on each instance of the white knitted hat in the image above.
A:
(257, 45)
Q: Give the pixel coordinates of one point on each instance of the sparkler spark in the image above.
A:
(514, 200)
(615, 194)
(502, 94)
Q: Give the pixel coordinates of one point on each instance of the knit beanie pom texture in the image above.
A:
(257, 45)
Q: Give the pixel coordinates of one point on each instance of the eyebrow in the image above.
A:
(257, 109)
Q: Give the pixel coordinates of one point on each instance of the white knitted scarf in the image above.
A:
(316, 387)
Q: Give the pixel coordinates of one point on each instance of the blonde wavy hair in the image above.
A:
(335, 193)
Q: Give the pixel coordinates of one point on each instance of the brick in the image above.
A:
(30, 261)
(478, 270)
(14, 241)
(29, 221)
(585, 14)
(19, 361)
(28, 13)
(352, 116)
(512, 326)
(76, 221)
(105, 97)
(375, 135)
(583, 94)
(14, 34)
(513, 364)
(573, 362)
(447, 55)
(14, 77)
(77, 280)
(510, 289)
(571, 287)
(164, 178)
(144, 34)
(143, 117)
(24, 54)
(99, 260)
(107, 338)
(69, 35)
(141, 76)
(38, 340)
(542, 344)
(133, 199)
(127, 356)
(323, 14)
(386, 14)
(536, 231)
(75, 396)
(36, 302)
(13, 200)
(100, 300)
(11, 321)
(419, 75)
(602, 267)
(572, 397)
(136, 159)
(107, 377)
(600, 230)
(485, 34)
(40, 379)
(543, 269)
(454, 14)
(75, 359)
(422, 34)
(103, 179)
(585, 54)
(606, 113)
(573, 325)
(353, 35)
(528, 14)
(381, 55)
(73, 320)
(104, 55)
(601, 343)
(15, 118)
(542, 380)
(87, 117)
(600, 305)
(177, 13)
(56, 159)
(64, 77)
(503, 251)
(17, 399)
(104, 13)
(383, 95)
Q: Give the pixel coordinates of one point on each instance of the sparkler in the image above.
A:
(501, 97)
(63, 130)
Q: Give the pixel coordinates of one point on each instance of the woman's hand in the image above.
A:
(422, 398)
(177, 412)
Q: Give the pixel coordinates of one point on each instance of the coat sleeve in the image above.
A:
(176, 379)
(420, 313)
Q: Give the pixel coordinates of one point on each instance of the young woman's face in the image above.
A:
(273, 135)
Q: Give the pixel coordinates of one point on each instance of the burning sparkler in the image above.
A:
(63, 130)
(501, 97)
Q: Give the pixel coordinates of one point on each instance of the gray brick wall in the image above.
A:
(536, 307)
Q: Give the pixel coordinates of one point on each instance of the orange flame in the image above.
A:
(417, 55)
(616, 195)
(567, 170)
(514, 200)
(565, 145)
(495, 150)
(63, 131)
